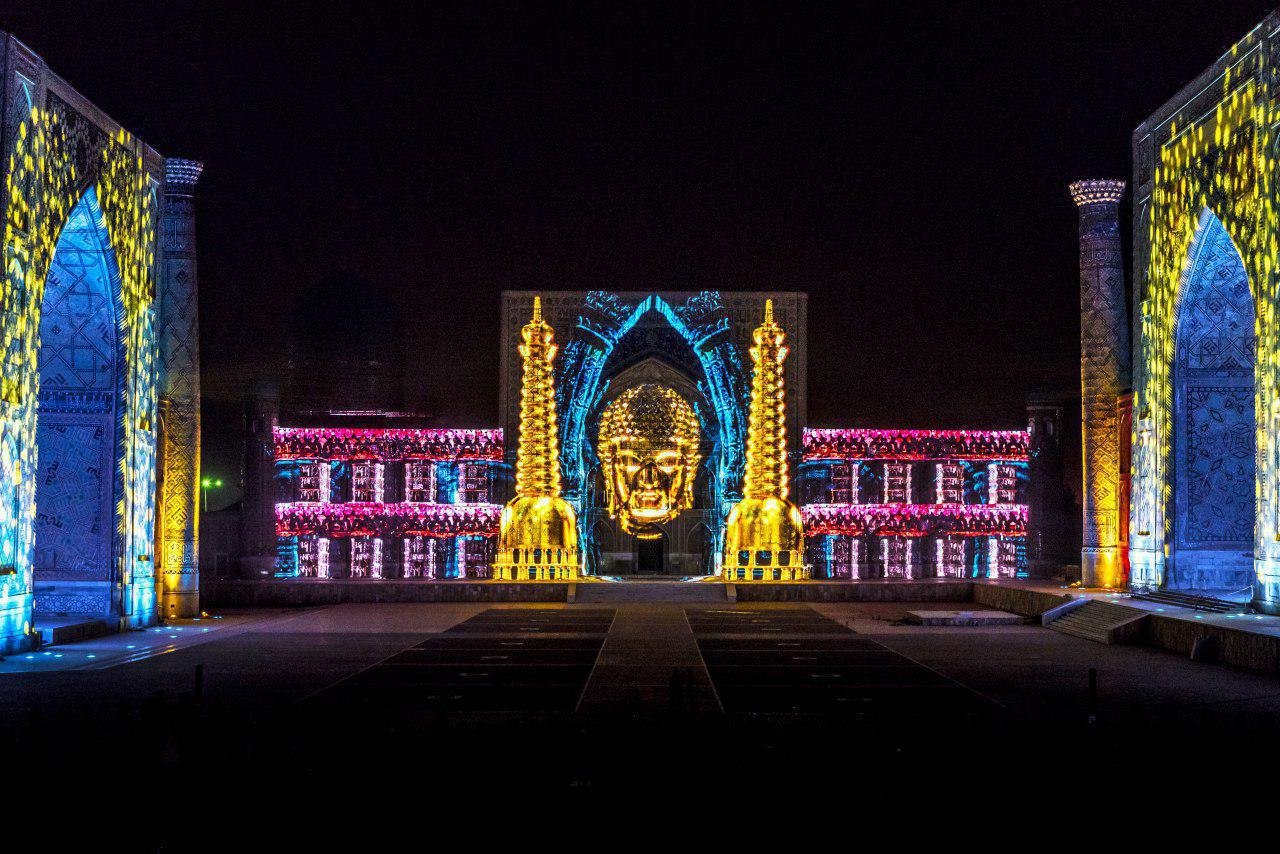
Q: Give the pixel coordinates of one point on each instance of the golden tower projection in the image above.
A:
(764, 536)
(649, 456)
(539, 531)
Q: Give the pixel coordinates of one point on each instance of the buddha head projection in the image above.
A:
(648, 451)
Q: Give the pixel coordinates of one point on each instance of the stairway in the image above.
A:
(1187, 600)
(1102, 622)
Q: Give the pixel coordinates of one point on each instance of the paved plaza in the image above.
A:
(625, 699)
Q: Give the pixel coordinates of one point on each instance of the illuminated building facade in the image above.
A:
(661, 415)
(915, 504)
(385, 503)
(1189, 459)
(99, 392)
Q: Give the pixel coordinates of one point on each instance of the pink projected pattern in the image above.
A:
(346, 443)
(864, 444)
(387, 520)
(916, 520)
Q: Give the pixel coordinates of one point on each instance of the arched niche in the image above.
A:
(81, 364)
(1214, 430)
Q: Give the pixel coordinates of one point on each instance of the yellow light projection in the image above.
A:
(648, 451)
(1223, 164)
(764, 536)
(41, 189)
(538, 538)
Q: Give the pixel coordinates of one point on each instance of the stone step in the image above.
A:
(964, 618)
(1188, 600)
(1102, 622)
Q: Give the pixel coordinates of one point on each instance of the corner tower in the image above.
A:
(539, 531)
(764, 536)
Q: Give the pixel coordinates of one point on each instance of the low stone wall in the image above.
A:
(1235, 647)
(310, 592)
(1018, 600)
(857, 591)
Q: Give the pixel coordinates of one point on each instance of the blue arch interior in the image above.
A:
(1214, 430)
(80, 373)
(703, 325)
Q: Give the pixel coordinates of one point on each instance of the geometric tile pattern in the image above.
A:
(1213, 380)
(1215, 475)
(179, 336)
(1104, 368)
(75, 435)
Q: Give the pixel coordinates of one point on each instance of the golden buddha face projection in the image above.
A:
(648, 450)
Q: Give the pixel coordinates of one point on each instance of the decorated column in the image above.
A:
(1104, 375)
(179, 337)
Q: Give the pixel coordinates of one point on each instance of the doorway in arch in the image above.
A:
(651, 556)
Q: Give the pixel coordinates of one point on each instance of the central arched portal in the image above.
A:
(654, 353)
(1214, 449)
(81, 364)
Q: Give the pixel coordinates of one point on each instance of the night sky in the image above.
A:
(377, 173)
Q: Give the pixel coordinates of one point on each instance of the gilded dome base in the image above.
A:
(764, 541)
(539, 541)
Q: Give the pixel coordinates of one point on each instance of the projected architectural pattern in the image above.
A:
(912, 504)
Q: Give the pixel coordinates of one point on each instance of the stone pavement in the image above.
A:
(330, 709)
(650, 661)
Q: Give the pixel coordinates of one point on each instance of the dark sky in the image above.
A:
(904, 163)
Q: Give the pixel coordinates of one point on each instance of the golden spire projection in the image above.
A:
(539, 531)
(764, 536)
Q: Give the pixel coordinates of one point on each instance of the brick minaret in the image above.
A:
(1104, 374)
(179, 336)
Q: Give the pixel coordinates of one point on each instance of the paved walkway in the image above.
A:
(650, 661)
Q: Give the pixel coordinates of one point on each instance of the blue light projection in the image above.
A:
(82, 368)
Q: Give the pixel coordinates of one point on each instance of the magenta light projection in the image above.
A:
(345, 443)
(916, 520)
(402, 519)
(863, 444)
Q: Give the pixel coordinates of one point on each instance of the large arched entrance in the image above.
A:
(98, 339)
(654, 352)
(1214, 443)
(81, 367)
